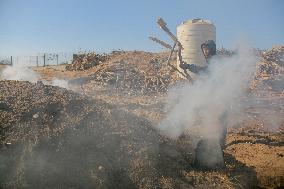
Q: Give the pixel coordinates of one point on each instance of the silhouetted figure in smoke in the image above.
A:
(209, 151)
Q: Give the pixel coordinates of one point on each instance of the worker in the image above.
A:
(209, 50)
(207, 149)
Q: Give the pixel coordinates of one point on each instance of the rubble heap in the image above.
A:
(53, 138)
(86, 61)
(136, 73)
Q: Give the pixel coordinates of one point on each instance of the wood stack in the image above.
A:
(86, 61)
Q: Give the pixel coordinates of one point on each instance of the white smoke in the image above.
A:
(22, 72)
(207, 102)
(60, 83)
(211, 95)
(19, 72)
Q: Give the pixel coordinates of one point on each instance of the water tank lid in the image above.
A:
(198, 21)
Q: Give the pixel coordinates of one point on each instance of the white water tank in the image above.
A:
(191, 34)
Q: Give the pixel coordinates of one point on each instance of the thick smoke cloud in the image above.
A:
(215, 92)
(207, 103)
(60, 83)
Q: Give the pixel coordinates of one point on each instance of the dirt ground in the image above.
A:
(254, 154)
(251, 146)
(2, 67)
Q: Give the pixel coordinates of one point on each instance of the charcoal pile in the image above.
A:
(54, 138)
(86, 61)
(136, 73)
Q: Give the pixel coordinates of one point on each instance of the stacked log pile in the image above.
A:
(86, 61)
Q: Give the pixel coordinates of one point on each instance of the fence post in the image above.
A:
(36, 61)
(57, 59)
(11, 60)
(44, 60)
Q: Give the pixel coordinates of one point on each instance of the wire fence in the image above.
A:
(44, 59)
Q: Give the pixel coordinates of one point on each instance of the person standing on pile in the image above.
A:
(207, 146)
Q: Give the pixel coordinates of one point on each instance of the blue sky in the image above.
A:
(33, 26)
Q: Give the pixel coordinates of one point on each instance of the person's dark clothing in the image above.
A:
(211, 46)
(193, 68)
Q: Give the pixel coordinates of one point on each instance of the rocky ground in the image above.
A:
(97, 135)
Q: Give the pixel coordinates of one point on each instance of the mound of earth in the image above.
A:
(51, 137)
(55, 138)
(260, 149)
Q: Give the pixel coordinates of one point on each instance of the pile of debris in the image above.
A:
(51, 137)
(271, 69)
(275, 55)
(136, 73)
(86, 61)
